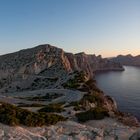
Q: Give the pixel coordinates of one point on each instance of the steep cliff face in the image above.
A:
(34, 61)
(127, 60)
(49, 61)
(91, 63)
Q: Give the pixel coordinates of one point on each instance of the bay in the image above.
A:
(124, 87)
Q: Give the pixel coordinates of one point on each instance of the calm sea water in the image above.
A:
(124, 87)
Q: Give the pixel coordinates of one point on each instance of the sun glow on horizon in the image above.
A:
(106, 28)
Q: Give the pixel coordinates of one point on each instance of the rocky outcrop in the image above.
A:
(44, 57)
(107, 129)
(49, 61)
(91, 63)
(34, 61)
(127, 60)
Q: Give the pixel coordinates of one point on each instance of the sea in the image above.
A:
(124, 87)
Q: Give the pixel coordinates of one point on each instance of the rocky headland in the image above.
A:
(48, 94)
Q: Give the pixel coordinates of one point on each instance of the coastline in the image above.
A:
(109, 70)
(126, 118)
(118, 124)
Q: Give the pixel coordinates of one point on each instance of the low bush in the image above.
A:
(93, 114)
(93, 97)
(77, 106)
(52, 108)
(47, 97)
(75, 82)
(74, 103)
(12, 115)
(90, 86)
(53, 118)
(30, 105)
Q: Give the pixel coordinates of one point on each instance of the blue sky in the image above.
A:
(107, 27)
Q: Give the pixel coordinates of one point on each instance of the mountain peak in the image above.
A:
(50, 61)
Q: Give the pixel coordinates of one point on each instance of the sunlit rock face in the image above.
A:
(49, 61)
(34, 61)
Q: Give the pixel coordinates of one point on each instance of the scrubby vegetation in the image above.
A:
(47, 97)
(43, 82)
(94, 97)
(75, 82)
(89, 86)
(12, 115)
(77, 105)
(92, 105)
(94, 114)
(53, 108)
(30, 105)
(38, 83)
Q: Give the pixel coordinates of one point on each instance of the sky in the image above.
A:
(106, 27)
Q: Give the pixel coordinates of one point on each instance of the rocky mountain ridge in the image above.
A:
(46, 56)
(47, 66)
(127, 60)
(51, 62)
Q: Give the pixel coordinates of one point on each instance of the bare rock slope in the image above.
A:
(47, 65)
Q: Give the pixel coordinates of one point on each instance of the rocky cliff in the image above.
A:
(46, 66)
(50, 62)
(127, 60)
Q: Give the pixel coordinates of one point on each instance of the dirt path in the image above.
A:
(68, 96)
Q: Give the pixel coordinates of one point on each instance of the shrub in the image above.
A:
(93, 114)
(12, 115)
(75, 82)
(71, 84)
(9, 119)
(76, 104)
(34, 120)
(52, 108)
(53, 118)
(48, 96)
(30, 105)
(90, 86)
(76, 108)
(93, 97)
